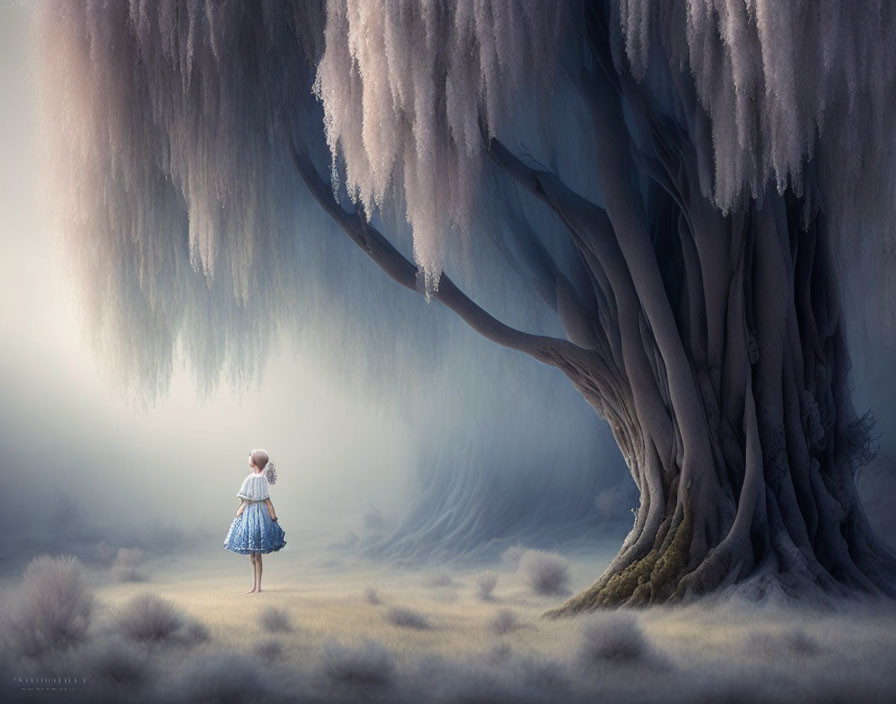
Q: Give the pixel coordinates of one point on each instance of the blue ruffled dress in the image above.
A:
(253, 530)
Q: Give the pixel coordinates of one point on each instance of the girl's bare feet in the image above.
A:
(251, 590)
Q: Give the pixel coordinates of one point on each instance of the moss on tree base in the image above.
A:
(649, 580)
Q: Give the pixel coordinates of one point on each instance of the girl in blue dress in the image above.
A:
(255, 529)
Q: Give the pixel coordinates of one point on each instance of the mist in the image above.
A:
(376, 405)
(438, 491)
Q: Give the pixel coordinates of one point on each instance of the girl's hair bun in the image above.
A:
(262, 460)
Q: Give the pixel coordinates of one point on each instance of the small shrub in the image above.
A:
(504, 621)
(372, 596)
(614, 638)
(275, 619)
(369, 666)
(485, 584)
(51, 609)
(149, 619)
(546, 572)
(407, 618)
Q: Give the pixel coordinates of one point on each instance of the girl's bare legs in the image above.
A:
(254, 571)
(258, 572)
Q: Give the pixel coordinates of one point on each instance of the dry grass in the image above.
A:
(344, 647)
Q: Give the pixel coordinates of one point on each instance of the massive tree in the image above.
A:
(673, 180)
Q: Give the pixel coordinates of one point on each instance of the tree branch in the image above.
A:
(578, 363)
(548, 188)
(591, 232)
(576, 310)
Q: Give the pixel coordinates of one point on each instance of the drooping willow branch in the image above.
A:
(578, 363)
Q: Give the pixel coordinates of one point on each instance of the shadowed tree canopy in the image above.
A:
(664, 201)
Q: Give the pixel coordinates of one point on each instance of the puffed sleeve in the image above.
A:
(254, 488)
(243, 493)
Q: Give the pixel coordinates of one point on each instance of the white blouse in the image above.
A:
(254, 488)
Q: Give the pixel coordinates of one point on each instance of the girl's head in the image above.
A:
(261, 460)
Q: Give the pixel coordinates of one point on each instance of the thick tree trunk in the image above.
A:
(777, 508)
(730, 399)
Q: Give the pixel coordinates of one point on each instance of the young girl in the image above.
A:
(255, 529)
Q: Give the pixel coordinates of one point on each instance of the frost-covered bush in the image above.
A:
(407, 618)
(51, 609)
(614, 638)
(546, 572)
(275, 619)
(150, 619)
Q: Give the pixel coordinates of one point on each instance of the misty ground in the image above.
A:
(332, 627)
